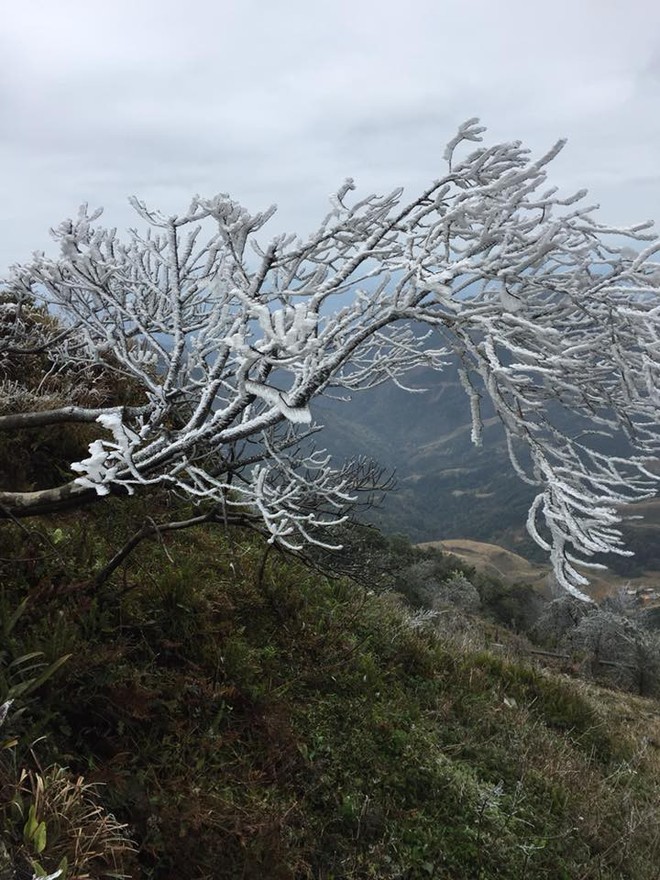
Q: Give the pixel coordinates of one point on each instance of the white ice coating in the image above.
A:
(539, 305)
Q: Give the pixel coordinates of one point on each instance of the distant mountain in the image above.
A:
(446, 487)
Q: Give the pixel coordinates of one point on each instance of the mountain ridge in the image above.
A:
(448, 489)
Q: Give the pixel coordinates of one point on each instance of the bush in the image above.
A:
(617, 651)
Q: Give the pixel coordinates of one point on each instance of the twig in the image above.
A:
(148, 529)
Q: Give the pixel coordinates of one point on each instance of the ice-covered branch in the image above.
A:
(541, 308)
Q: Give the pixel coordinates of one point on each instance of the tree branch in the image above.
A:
(150, 529)
(541, 312)
(16, 505)
(63, 415)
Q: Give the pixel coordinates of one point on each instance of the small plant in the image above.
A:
(65, 826)
(54, 820)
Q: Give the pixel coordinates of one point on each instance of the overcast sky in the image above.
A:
(280, 100)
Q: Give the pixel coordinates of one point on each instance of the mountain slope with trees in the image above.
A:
(445, 487)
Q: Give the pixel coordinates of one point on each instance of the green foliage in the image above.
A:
(34, 832)
(20, 673)
(64, 827)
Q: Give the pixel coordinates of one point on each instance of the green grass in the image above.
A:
(285, 725)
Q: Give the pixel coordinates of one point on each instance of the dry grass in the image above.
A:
(495, 561)
(79, 832)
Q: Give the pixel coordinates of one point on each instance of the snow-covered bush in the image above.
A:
(488, 269)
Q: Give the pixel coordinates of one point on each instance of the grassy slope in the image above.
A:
(498, 562)
(258, 720)
(495, 561)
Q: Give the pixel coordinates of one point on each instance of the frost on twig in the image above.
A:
(539, 306)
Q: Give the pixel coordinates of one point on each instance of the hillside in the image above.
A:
(216, 708)
(249, 717)
(447, 489)
(495, 561)
(498, 562)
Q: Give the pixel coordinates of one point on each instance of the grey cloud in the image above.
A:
(280, 102)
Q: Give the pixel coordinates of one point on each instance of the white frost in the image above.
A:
(105, 460)
(298, 415)
(521, 285)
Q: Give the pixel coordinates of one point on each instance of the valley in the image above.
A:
(465, 498)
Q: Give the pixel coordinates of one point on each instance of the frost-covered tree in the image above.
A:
(616, 649)
(537, 304)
